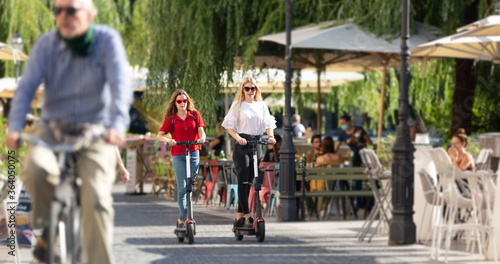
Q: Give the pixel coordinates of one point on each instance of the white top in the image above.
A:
(297, 130)
(254, 118)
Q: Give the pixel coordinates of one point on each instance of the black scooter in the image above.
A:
(190, 230)
(259, 226)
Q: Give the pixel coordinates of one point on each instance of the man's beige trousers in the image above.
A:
(96, 167)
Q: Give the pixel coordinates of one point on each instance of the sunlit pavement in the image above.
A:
(144, 234)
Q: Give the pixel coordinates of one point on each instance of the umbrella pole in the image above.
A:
(319, 101)
(381, 114)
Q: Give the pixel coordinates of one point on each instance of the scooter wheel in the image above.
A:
(261, 231)
(190, 233)
(181, 239)
(238, 237)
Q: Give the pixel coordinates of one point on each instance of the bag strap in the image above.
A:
(173, 122)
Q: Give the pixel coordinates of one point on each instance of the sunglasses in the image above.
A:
(249, 88)
(70, 11)
(181, 101)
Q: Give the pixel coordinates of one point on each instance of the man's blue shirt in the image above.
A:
(93, 89)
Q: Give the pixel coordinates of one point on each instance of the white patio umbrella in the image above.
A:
(272, 80)
(458, 46)
(362, 51)
(8, 53)
(489, 26)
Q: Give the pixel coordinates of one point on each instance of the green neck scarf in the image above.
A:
(81, 45)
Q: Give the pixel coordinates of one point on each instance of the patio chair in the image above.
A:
(232, 193)
(265, 187)
(431, 195)
(274, 196)
(383, 207)
(349, 206)
(163, 177)
(209, 173)
(455, 200)
(483, 159)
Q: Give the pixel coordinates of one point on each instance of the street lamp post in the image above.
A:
(402, 229)
(17, 44)
(287, 208)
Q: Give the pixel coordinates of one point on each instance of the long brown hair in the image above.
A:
(327, 145)
(240, 95)
(171, 108)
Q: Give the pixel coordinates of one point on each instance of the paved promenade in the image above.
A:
(144, 234)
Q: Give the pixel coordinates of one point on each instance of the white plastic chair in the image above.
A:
(431, 195)
(454, 200)
(483, 159)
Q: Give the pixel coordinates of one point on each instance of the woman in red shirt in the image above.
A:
(183, 123)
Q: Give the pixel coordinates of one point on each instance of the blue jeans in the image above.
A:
(179, 164)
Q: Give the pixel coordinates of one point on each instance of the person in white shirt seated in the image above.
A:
(297, 128)
(248, 118)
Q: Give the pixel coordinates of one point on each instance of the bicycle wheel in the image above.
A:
(54, 250)
(74, 234)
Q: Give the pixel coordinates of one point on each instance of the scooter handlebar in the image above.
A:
(187, 143)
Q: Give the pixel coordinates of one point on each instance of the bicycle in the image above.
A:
(65, 208)
(259, 226)
(190, 230)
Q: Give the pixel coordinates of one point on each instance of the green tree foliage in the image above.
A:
(189, 44)
(194, 42)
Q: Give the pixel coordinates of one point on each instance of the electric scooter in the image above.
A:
(259, 226)
(190, 230)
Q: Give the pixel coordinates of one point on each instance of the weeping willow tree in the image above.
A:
(193, 42)
(190, 44)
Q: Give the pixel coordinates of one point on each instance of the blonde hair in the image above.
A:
(171, 108)
(240, 95)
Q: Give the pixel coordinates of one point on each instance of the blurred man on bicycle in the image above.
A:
(84, 69)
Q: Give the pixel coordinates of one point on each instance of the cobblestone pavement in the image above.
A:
(144, 234)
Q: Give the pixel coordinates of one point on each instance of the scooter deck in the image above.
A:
(180, 232)
(247, 231)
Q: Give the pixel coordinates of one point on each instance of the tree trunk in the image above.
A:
(463, 97)
(465, 82)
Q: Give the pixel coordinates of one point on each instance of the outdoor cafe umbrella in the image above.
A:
(8, 53)
(362, 51)
(458, 46)
(489, 26)
(272, 80)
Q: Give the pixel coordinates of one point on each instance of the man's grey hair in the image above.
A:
(295, 118)
(89, 5)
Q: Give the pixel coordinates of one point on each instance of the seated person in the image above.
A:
(218, 143)
(316, 144)
(328, 152)
(459, 155)
(298, 129)
(272, 154)
(328, 156)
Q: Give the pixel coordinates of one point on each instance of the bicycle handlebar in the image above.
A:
(59, 147)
